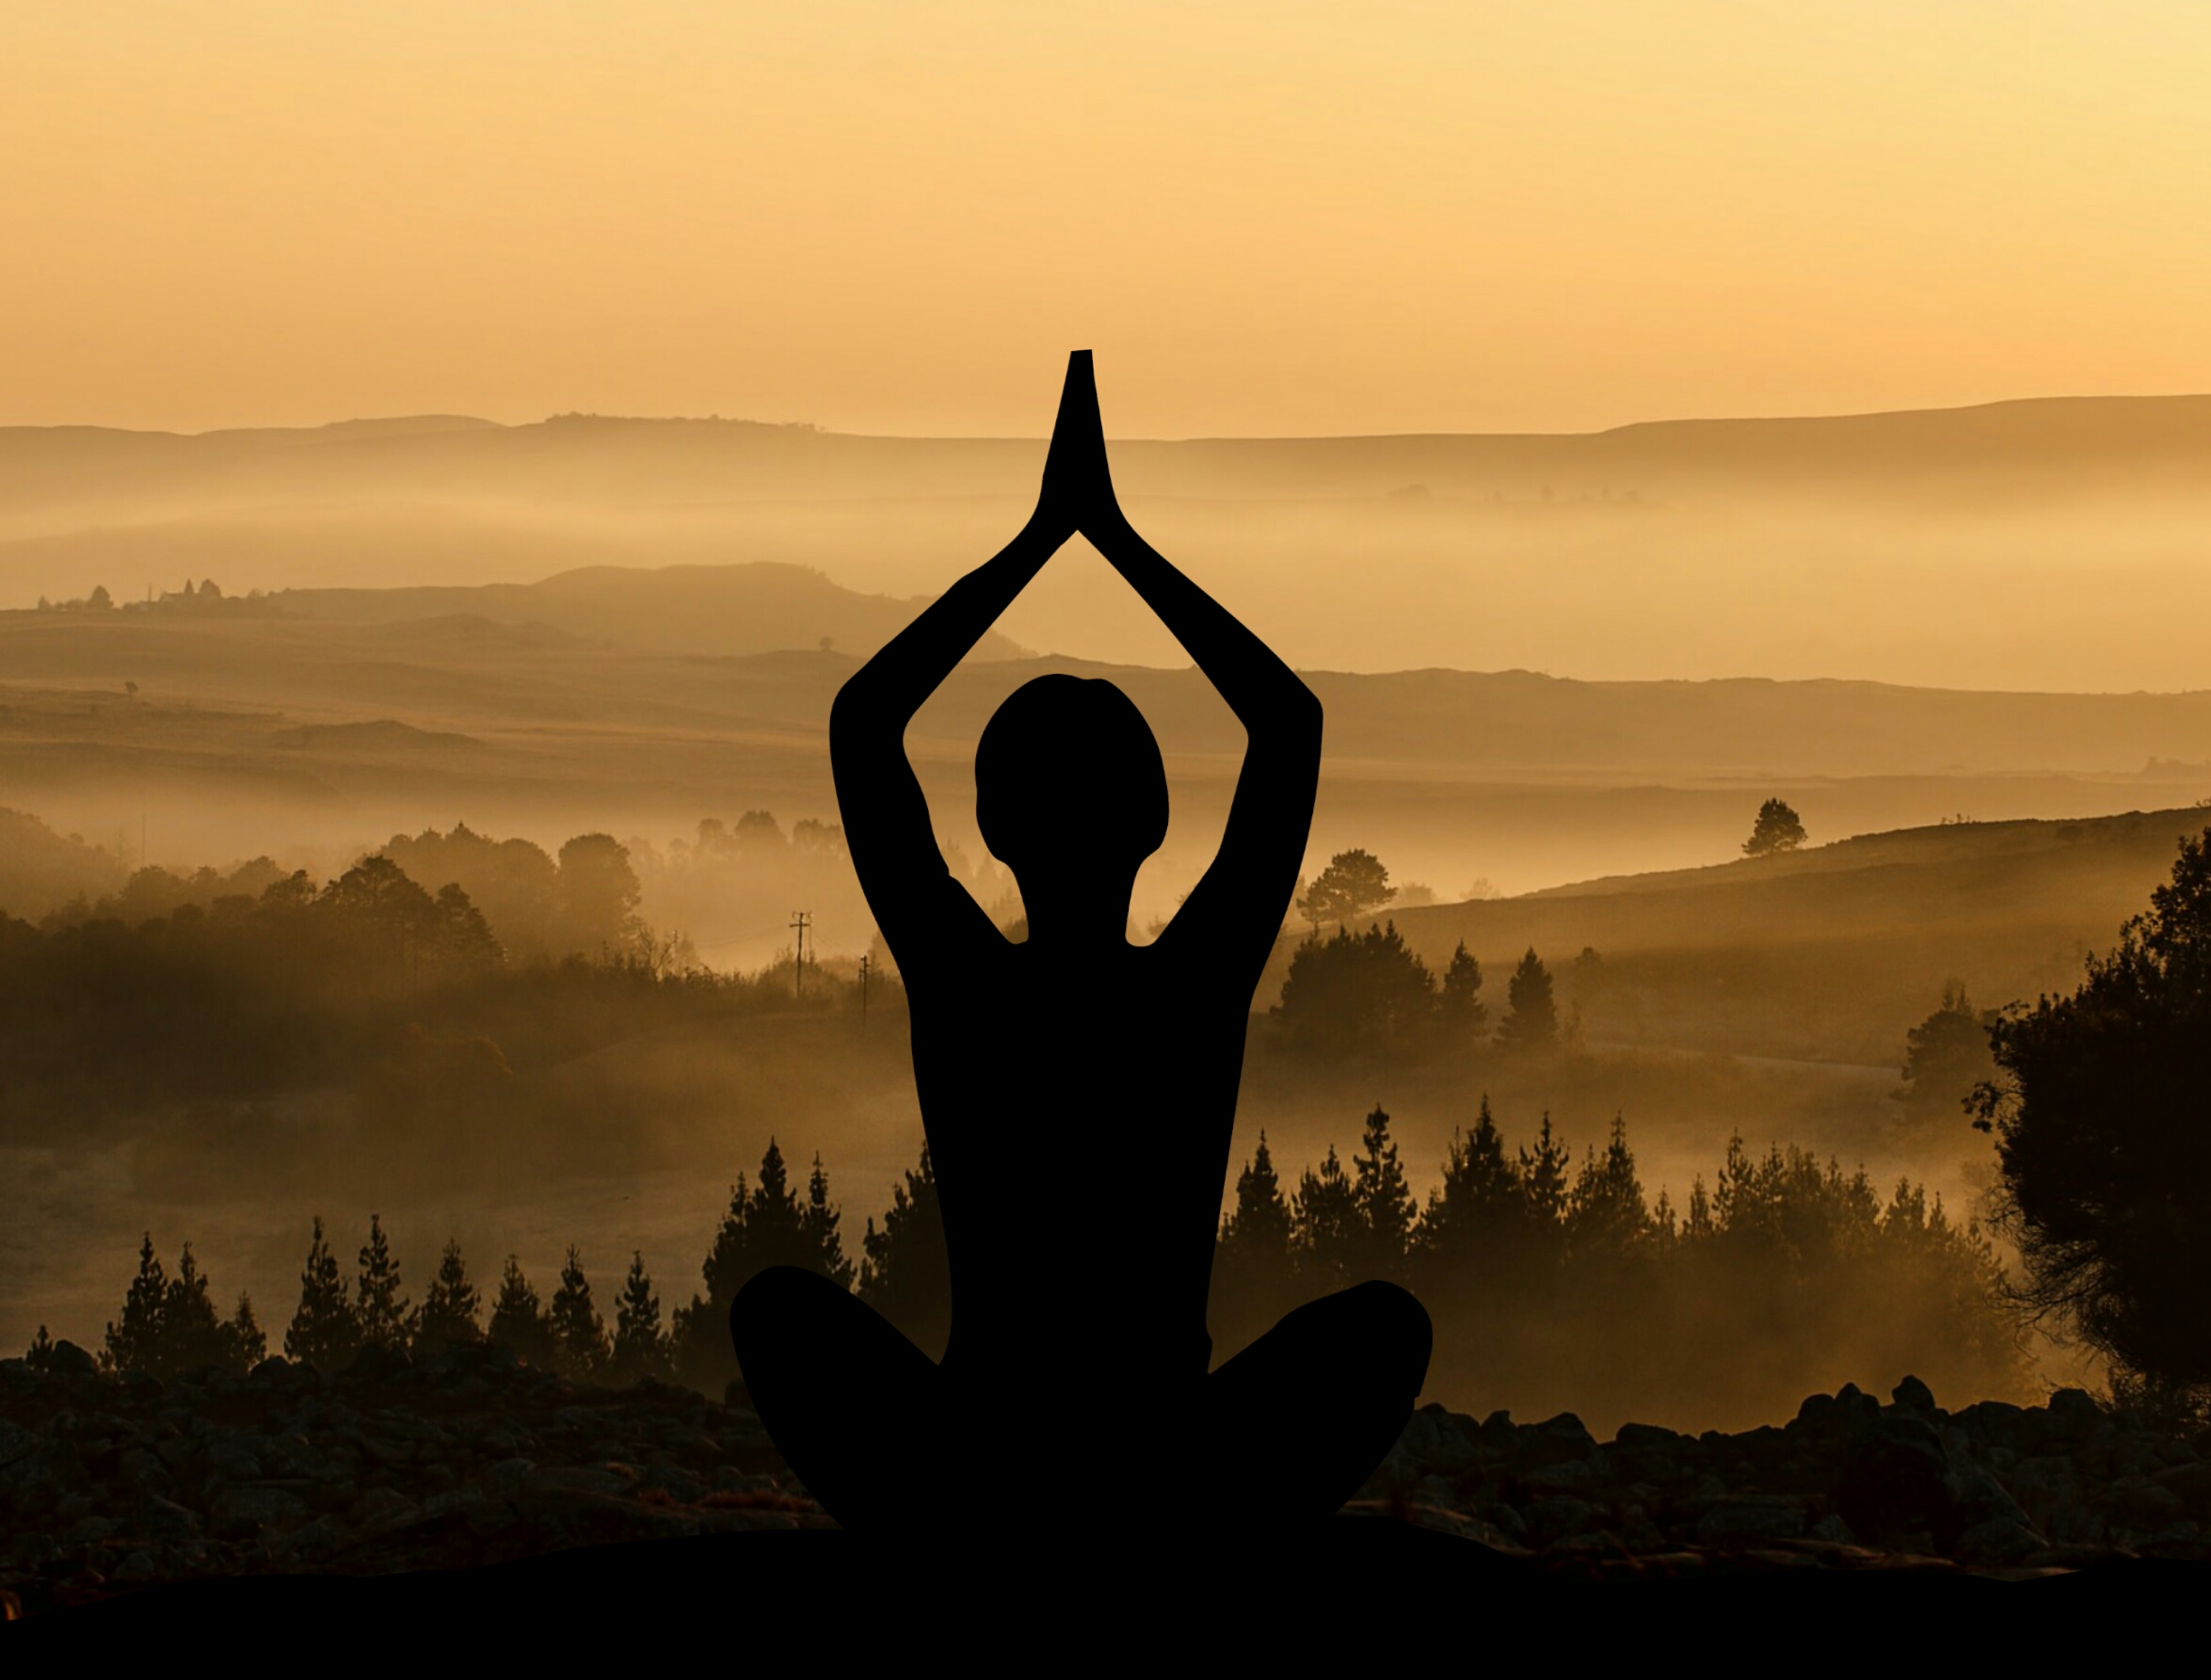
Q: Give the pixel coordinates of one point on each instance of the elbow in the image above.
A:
(1302, 713)
(849, 713)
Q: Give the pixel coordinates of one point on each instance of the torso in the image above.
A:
(1080, 1117)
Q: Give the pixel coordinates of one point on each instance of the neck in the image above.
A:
(1086, 917)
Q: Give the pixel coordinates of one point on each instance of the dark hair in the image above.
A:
(1067, 770)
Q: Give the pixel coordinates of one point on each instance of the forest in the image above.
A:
(1783, 1272)
(181, 1015)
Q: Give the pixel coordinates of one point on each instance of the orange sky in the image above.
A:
(1279, 218)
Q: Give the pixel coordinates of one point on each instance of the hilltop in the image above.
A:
(1826, 953)
(2040, 447)
(2027, 545)
(639, 701)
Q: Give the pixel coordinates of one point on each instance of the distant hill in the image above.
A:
(2050, 544)
(721, 610)
(1827, 953)
(2030, 448)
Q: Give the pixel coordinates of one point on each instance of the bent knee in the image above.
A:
(1395, 1328)
(771, 1303)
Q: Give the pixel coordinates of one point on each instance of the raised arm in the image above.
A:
(1245, 891)
(878, 797)
(885, 817)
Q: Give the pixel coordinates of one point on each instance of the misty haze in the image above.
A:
(431, 820)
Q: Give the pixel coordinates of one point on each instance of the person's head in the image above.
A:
(1070, 791)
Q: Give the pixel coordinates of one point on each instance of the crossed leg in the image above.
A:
(1280, 1436)
(1296, 1421)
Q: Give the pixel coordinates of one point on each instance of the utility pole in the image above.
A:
(800, 919)
(863, 972)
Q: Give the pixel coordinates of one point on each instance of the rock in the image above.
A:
(2182, 1538)
(1554, 1519)
(1855, 1404)
(232, 1463)
(574, 1479)
(1913, 1395)
(1554, 1441)
(315, 1539)
(2146, 1505)
(465, 1502)
(1573, 1476)
(1431, 1441)
(1895, 1478)
(162, 1519)
(381, 1509)
(1508, 1522)
(1997, 1422)
(2073, 1415)
(249, 1513)
(674, 1481)
(1822, 1412)
(1982, 1499)
(2045, 1485)
(36, 1474)
(66, 1359)
(2192, 1482)
(1832, 1530)
(1750, 1521)
(1999, 1542)
(135, 1569)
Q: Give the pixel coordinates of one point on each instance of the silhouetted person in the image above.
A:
(1072, 1086)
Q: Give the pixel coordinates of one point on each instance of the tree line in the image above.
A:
(1370, 994)
(1562, 1283)
(1554, 1281)
(232, 988)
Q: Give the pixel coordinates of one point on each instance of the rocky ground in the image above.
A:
(470, 1459)
(466, 1459)
(1847, 1483)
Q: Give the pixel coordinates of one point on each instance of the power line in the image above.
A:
(801, 921)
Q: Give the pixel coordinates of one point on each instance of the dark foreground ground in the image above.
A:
(467, 1481)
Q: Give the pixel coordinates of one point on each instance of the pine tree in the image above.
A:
(579, 1334)
(134, 1345)
(1696, 1224)
(766, 1224)
(1465, 1017)
(1259, 1229)
(192, 1334)
(1534, 1021)
(40, 1354)
(324, 1331)
(450, 1307)
(1255, 1275)
(1384, 1201)
(1324, 1216)
(906, 1270)
(1605, 1215)
(518, 1319)
(1470, 1215)
(821, 1221)
(385, 1316)
(244, 1346)
(1543, 1184)
(640, 1351)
